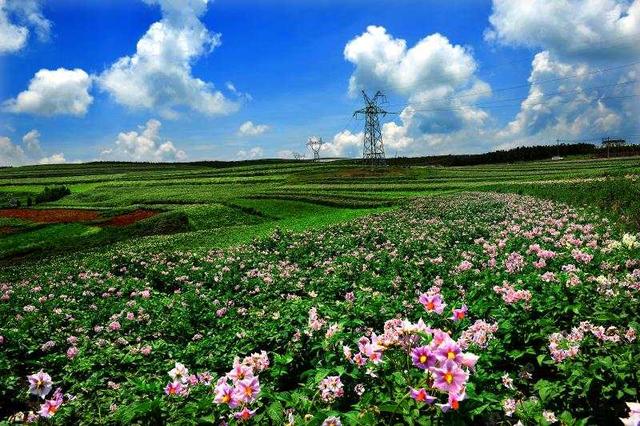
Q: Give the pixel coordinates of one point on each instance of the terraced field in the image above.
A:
(207, 206)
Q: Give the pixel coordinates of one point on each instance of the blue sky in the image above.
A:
(290, 69)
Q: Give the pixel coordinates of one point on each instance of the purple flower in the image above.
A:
(432, 303)
(449, 350)
(459, 314)
(245, 415)
(450, 378)
(248, 389)
(423, 358)
(421, 395)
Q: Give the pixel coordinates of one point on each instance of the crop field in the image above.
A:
(299, 293)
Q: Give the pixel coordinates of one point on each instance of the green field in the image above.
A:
(298, 264)
(231, 205)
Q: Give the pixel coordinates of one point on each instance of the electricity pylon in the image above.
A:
(315, 144)
(373, 152)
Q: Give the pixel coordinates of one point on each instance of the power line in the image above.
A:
(552, 80)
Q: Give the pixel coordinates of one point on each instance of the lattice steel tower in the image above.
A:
(373, 152)
(315, 144)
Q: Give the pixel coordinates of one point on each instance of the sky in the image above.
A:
(188, 80)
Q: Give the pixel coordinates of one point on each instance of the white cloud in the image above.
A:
(249, 129)
(31, 142)
(343, 144)
(29, 152)
(26, 14)
(10, 154)
(251, 154)
(580, 78)
(53, 159)
(145, 145)
(54, 92)
(159, 75)
(437, 78)
(571, 28)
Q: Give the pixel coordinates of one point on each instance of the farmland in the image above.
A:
(517, 283)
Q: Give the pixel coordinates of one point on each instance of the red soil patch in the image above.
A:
(130, 218)
(4, 230)
(51, 215)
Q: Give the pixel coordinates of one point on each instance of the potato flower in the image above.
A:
(40, 384)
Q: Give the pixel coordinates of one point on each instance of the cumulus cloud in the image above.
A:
(53, 159)
(570, 28)
(10, 153)
(343, 144)
(580, 81)
(250, 154)
(437, 78)
(31, 142)
(26, 15)
(29, 152)
(159, 74)
(54, 92)
(143, 145)
(249, 129)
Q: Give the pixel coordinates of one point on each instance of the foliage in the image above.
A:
(551, 294)
(53, 193)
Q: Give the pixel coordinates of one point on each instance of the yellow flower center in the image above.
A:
(430, 306)
(423, 359)
(448, 378)
(248, 391)
(451, 355)
(226, 399)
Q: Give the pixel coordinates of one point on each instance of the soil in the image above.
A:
(51, 215)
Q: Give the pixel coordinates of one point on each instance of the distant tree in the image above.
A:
(14, 203)
(52, 194)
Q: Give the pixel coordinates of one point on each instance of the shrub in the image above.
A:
(52, 194)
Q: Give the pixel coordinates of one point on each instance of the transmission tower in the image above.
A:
(373, 152)
(315, 144)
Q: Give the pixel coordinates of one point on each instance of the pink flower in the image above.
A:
(114, 326)
(332, 421)
(72, 352)
(453, 402)
(331, 388)
(459, 314)
(449, 350)
(432, 303)
(40, 384)
(450, 378)
(421, 395)
(245, 415)
(145, 350)
(247, 390)
(173, 388)
(465, 265)
(240, 372)
(225, 394)
(423, 358)
(50, 407)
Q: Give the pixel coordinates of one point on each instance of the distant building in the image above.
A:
(557, 157)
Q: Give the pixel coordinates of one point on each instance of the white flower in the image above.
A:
(179, 373)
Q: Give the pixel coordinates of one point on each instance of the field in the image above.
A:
(426, 295)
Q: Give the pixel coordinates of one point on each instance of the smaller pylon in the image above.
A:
(315, 144)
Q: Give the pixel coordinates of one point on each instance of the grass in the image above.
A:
(230, 205)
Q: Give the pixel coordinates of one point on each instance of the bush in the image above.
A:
(52, 194)
(14, 203)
